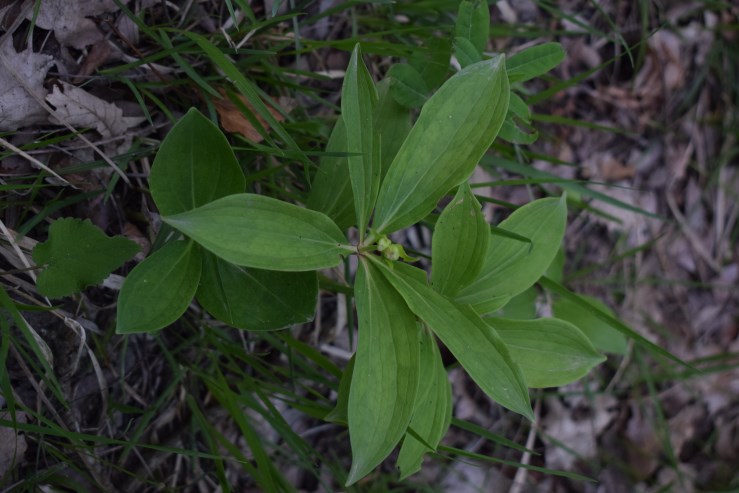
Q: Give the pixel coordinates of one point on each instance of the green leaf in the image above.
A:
(534, 61)
(550, 352)
(520, 307)
(602, 335)
(432, 411)
(442, 149)
(477, 348)
(517, 127)
(466, 52)
(511, 266)
(339, 414)
(194, 165)
(331, 190)
(159, 290)
(473, 23)
(392, 123)
(265, 233)
(76, 255)
(432, 62)
(256, 299)
(358, 99)
(407, 87)
(385, 377)
(459, 243)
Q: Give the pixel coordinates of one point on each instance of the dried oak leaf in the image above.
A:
(69, 20)
(79, 108)
(18, 108)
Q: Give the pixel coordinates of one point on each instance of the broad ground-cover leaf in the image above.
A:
(256, 299)
(432, 60)
(331, 190)
(432, 411)
(466, 52)
(358, 99)
(602, 335)
(550, 352)
(473, 23)
(265, 233)
(477, 348)
(511, 266)
(159, 290)
(534, 61)
(385, 377)
(442, 149)
(78, 254)
(194, 165)
(459, 243)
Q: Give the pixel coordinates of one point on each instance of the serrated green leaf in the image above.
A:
(442, 149)
(331, 190)
(477, 348)
(385, 377)
(159, 290)
(534, 61)
(407, 86)
(432, 411)
(265, 233)
(194, 165)
(550, 352)
(459, 244)
(358, 100)
(512, 266)
(466, 52)
(256, 299)
(392, 123)
(473, 23)
(602, 335)
(76, 255)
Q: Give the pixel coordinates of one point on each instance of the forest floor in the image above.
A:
(644, 111)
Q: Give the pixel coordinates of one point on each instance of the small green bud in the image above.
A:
(383, 243)
(392, 252)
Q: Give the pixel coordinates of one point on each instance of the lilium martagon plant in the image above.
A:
(251, 260)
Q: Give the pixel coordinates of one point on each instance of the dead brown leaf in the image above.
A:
(233, 120)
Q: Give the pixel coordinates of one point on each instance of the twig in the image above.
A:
(519, 480)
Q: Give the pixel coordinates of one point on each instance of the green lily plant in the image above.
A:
(251, 260)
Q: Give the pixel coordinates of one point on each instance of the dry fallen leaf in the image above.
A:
(18, 108)
(79, 108)
(69, 20)
(233, 120)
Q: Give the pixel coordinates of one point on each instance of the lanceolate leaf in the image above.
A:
(385, 376)
(339, 414)
(473, 23)
(466, 52)
(511, 266)
(159, 290)
(392, 123)
(265, 233)
(459, 243)
(407, 87)
(602, 335)
(76, 255)
(194, 165)
(358, 99)
(477, 348)
(452, 133)
(432, 61)
(432, 411)
(534, 61)
(550, 352)
(331, 190)
(256, 299)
